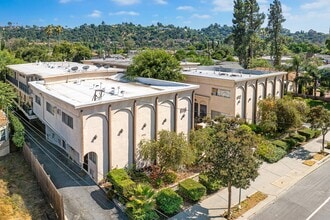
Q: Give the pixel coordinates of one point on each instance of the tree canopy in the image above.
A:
(156, 64)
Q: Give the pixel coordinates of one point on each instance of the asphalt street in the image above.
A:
(83, 199)
(309, 199)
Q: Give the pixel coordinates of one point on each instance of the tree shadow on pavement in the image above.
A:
(300, 153)
(194, 212)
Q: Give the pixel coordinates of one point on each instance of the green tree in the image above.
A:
(58, 31)
(275, 20)
(239, 30)
(7, 96)
(319, 117)
(142, 204)
(267, 115)
(156, 64)
(231, 160)
(246, 24)
(18, 129)
(315, 74)
(7, 58)
(169, 151)
(49, 31)
(327, 44)
(296, 66)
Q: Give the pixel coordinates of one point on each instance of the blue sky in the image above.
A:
(299, 14)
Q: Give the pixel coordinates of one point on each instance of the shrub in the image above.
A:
(142, 204)
(328, 145)
(169, 201)
(281, 144)
(19, 130)
(307, 132)
(270, 153)
(121, 182)
(291, 142)
(317, 133)
(169, 177)
(298, 137)
(211, 185)
(192, 190)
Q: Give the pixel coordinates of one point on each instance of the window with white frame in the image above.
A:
(221, 92)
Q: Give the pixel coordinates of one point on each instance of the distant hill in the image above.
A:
(133, 36)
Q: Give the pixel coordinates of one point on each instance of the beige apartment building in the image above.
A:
(20, 75)
(233, 92)
(99, 118)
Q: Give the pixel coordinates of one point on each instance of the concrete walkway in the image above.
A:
(273, 180)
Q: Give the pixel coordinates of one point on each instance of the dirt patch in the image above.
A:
(20, 195)
(318, 156)
(247, 204)
(309, 162)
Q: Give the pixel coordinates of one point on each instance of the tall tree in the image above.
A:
(296, 66)
(315, 74)
(49, 31)
(246, 24)
(275, 20)
(254, 22)
(239, 30)
(231, 159)
(58, 31)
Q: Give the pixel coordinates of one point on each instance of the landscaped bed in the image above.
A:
(20, 195)
(247, 204)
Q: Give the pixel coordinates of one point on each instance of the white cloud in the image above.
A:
(161, 2)
(95, 14)
(131, 13)
(319, 4)
(199, 16)
(223, 5)
(185, 8)
(126, 2)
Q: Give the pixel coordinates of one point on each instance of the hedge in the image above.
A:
(298, 137)
(281, 144)
(211, 185)
(168, 201)
(270, 153)
(307, 132)
(121, 182)
(192, 190)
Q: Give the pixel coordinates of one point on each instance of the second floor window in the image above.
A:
(37, 99)
(68, 120)
(49, 108)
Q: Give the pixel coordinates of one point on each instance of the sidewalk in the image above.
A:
(273, 180)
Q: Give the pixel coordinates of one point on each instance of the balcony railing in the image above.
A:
(12, 80)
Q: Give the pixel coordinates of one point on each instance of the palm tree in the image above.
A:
(58, 30)
(296, 65)
(49, 31)
(315, 74)
(302, 81)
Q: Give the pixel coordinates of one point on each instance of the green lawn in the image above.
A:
(313, 103)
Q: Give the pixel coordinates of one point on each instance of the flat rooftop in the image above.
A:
(234, 75)
(45, 69)
(89, 92)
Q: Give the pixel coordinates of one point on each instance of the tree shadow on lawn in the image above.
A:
(300, 153)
